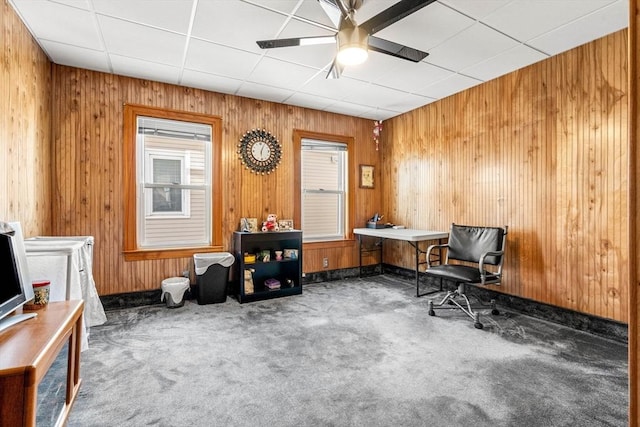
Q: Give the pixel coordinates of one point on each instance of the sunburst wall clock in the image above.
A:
(259, 151)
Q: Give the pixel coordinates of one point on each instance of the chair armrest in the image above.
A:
(481, 262)
(431, 248)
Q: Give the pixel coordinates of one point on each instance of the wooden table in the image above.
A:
(413, 236)
(27, 351)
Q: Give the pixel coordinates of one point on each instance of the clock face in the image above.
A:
(259, 151)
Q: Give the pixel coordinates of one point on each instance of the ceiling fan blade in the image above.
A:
(394, 49)
(335, 71)
(332, 10)
(393, 14)
(296, 41)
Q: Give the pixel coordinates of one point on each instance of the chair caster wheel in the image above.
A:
(495, 312)
(431, 313)
(478, 325)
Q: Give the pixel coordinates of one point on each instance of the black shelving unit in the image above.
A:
(288, 270)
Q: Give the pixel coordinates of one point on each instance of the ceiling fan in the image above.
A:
(353, 41)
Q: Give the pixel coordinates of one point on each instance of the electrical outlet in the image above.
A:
(325, 262)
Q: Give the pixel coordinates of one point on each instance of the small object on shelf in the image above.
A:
(248, 281)
(291, 253)
(249, 258)
(271, 224)
(272, 284)
(285, 224)
(278, 255)
(264, 256)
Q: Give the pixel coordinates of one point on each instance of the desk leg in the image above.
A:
(360, 254)
(417, 270)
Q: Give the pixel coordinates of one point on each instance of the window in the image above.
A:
(324, 190)
(323, 208)
(172, 200)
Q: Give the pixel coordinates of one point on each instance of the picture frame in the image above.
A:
(367, 173)
(285, 224)
(249, 225)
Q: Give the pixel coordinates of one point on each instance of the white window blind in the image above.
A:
(323, 190)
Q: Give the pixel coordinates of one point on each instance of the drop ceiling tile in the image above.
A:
(384, 97)
(273, 72)
(312, 55)
(284, 6)
(236, 24)
(210, 82)
(427, 28)
(409, 76)
(74, 56)
(371, 8)
(473, 45)
(71, 26)
(476, 9)
(513, 59)
(526, 19)
(333, 88)
(309, 101)
(311, 10)
(174, 15)
(138, 41)
(79, 4)
(379, 114)
(267, 93)
(406, 102)
(221, 60)
(593, 26)
(144, 69)
(453, 84)
(350, 109)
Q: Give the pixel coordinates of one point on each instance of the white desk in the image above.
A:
(413, 236)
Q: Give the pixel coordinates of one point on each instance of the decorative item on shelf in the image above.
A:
(264, 255)
(278, 255)
(366, 176)
(377, 130)
(291, 253)
(285, 224)
(272, 284)
(249, 258)
(259, 151)
(271, 224)
(249, 225)
(248, 281)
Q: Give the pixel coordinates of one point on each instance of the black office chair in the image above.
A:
(477, 247)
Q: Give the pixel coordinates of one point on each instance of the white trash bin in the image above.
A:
(173, 290)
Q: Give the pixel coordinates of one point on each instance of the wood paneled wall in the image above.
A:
(542, 150)
(25, 120)
(88, 176)
(634, 211)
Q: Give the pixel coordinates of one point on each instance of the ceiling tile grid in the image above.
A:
(211, 45)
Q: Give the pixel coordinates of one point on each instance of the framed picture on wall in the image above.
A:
(366, 176)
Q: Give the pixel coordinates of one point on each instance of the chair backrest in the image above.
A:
(468, 243)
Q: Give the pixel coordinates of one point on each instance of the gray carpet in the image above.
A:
(359, 352)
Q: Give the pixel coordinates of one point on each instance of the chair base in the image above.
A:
(460, 293)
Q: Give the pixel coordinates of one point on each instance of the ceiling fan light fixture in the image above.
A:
(352, 46)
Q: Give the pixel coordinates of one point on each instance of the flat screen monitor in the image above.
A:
(15, 287)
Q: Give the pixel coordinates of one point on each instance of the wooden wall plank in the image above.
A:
(542, 150)
(25, 121)
(634, 209)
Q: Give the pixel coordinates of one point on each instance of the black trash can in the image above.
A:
(212, 275)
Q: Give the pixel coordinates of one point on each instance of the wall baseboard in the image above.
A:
(592, 324)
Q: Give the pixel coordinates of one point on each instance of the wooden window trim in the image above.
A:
(131, 250)
(298, 136)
